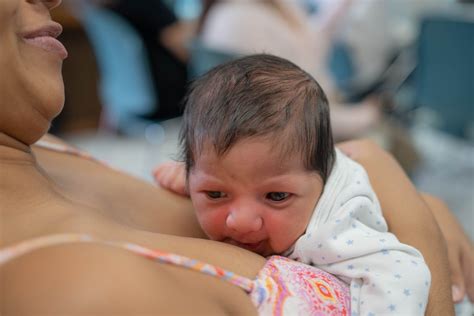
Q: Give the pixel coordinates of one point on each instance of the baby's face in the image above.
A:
(252, 198)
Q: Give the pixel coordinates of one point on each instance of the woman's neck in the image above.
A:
(28, 197)
(13, 151)
(23, 182)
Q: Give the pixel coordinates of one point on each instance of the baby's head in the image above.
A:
(258, 148)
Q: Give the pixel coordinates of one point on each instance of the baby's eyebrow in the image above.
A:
(284, 178)
(204, 177)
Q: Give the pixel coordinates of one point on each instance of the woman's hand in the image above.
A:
(460, 249)
(171, 175)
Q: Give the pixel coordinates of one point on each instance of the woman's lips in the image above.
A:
(48, 43)
(45, 36)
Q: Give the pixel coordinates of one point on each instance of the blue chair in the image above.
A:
(444, 77)
(341, 66)
(126, 86)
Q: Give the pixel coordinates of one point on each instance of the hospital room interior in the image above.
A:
(399, 72)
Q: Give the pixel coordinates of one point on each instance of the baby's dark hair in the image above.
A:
(259, 96)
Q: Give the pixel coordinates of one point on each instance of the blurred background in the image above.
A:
(400, 72)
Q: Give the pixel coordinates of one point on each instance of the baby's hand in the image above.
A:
(171, 176)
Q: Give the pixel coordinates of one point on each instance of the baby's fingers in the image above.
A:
(171, 176)
(164, 173)
(178, 182)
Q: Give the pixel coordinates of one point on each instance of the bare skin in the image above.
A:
(40, 208)
(140, 212)
(96, 280)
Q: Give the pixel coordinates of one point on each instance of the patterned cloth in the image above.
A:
(287, 287)
(282, 287)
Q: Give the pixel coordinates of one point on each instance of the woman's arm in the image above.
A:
(408, 217)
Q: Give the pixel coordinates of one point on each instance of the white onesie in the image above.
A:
(347, 236)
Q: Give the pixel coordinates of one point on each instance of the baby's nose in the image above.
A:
(244, 221)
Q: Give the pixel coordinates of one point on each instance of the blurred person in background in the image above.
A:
(164, 36)
(282, 28)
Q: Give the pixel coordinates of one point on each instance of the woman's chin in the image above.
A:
(51, 94)
(33, 134)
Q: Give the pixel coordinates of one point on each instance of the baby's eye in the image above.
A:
(215, 194)
(277, 196)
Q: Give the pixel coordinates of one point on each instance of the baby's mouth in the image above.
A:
(254, 246)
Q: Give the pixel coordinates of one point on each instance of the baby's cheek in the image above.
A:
(212, 222)
(284, 232)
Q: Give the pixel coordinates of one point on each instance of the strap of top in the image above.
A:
(26, 246)
(61, 148)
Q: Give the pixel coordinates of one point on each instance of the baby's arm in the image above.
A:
(408, 217)
(348, 237)
(385, 275)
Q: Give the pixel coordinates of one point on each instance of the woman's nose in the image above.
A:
(244, 220)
